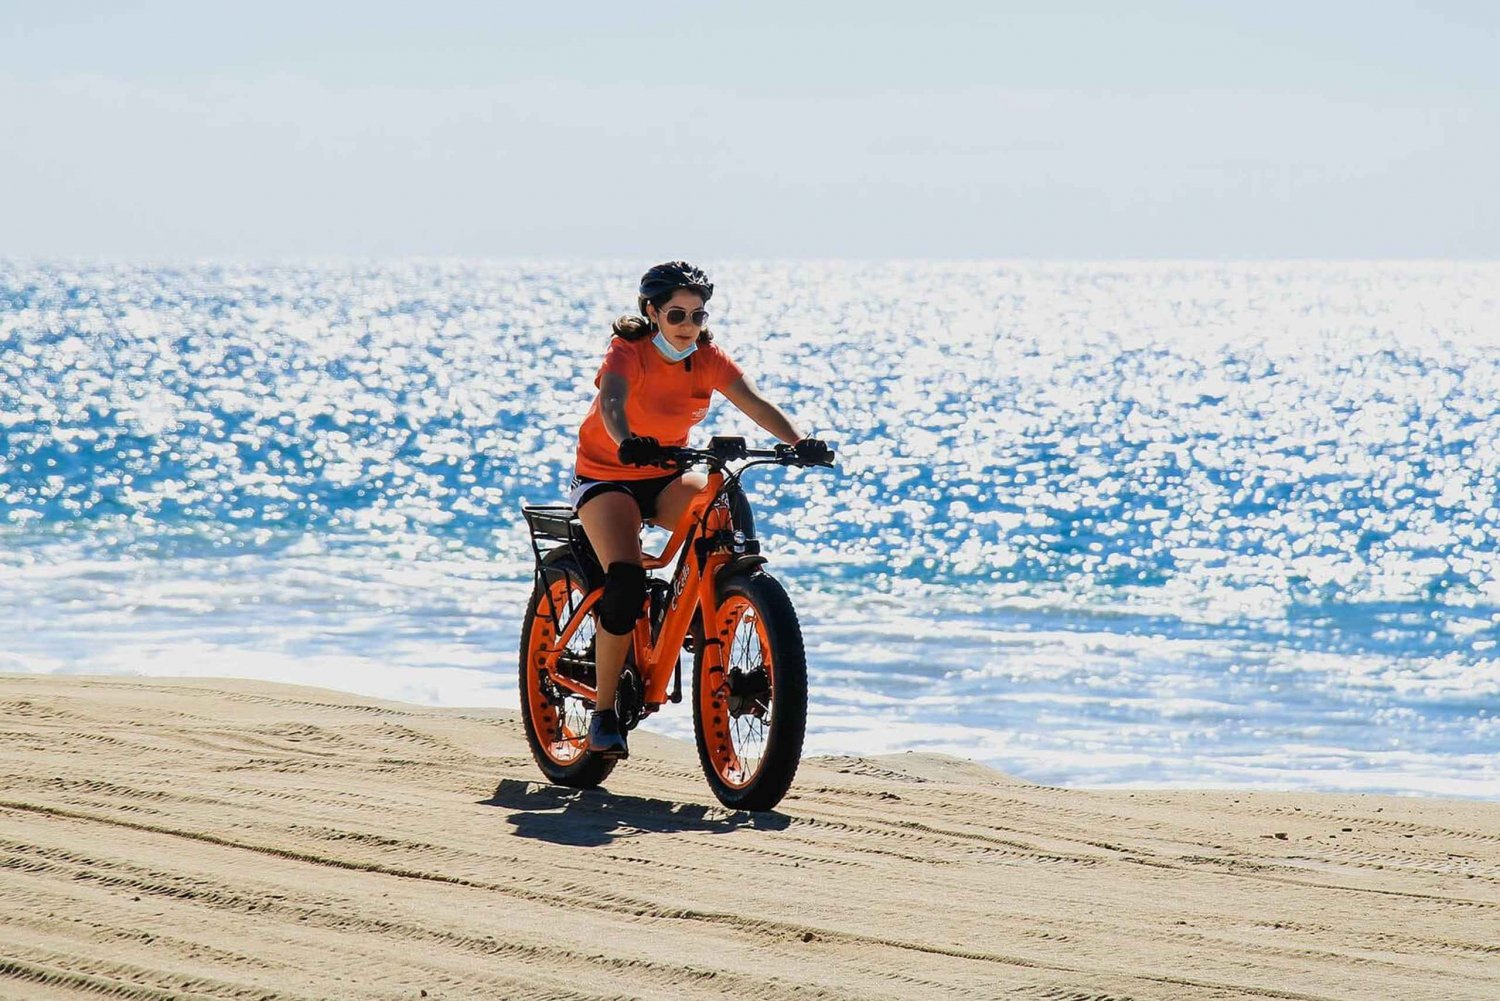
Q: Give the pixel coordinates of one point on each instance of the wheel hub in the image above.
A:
(749, 691)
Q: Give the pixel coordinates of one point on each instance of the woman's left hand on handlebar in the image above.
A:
(814, 451)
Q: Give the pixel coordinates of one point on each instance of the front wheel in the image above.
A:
(750, 714)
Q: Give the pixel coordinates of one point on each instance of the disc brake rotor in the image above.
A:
(629, 697)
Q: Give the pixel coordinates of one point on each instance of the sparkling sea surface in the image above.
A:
(1095, 524)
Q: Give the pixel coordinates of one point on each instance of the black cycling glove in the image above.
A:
(814, 451)
(640, 451)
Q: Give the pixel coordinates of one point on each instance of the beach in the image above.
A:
(1143, 600)
(181, 838)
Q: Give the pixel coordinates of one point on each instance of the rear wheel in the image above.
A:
(557, 720)
(750, 715)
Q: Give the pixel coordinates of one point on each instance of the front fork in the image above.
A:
(728, 543)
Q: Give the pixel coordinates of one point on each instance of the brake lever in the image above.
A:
(684, 458)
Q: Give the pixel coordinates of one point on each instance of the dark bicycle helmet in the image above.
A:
(662, 280)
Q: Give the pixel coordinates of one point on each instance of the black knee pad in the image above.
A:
(624, 597)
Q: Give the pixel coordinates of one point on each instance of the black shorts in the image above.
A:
(645, 492)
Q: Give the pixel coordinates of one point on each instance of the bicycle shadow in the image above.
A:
(590, 817)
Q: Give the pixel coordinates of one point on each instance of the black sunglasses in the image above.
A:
(677, 314)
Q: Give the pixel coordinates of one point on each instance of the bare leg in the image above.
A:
(674, 500)
(612, 522)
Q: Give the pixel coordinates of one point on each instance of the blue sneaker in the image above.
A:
(606, 737)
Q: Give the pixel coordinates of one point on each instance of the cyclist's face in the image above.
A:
(679, 334)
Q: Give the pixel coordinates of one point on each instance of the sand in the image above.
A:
(165, 839)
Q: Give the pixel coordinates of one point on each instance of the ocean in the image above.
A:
(1104, 525)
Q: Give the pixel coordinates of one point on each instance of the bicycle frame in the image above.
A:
(698, 566)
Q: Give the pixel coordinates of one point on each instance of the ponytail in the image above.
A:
(632, 328)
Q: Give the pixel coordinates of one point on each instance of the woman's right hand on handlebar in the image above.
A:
(641, 450)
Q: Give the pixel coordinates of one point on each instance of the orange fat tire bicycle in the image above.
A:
(749, 667)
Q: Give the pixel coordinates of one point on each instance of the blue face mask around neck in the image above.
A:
(670, 353)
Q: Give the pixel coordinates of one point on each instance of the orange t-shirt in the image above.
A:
(666, 400)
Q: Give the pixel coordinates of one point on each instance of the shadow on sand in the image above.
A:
(588, 817)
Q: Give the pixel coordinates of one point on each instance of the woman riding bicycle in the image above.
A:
(655, 384)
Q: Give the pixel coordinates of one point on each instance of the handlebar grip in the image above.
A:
(788, 454)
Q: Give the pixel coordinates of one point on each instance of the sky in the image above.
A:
(1060, 130)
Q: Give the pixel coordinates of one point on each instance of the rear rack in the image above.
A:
(554, 527)
(555, 522)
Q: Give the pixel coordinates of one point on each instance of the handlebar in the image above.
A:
(722, 450)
